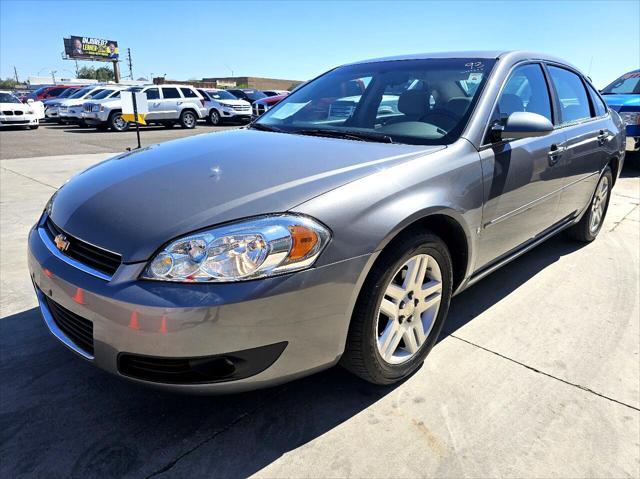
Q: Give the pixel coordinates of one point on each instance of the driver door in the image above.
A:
(522, 177)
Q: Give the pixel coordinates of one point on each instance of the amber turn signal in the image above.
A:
(304, 240)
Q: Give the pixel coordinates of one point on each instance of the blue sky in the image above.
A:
(298, 40)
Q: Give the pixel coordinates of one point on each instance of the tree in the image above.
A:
(104, 74)
(87, 73)
(8, 83)
(101, 74)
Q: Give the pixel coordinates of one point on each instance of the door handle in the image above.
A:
(554, 154)
(602, 137)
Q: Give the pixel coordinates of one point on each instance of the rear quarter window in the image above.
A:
(188, 93)
(170, 92)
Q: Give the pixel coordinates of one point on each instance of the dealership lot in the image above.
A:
(536, 373)
(53, 139)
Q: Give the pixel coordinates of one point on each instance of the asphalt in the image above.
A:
(536, 375)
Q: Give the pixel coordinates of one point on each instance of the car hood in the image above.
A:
(616, 102)
(15, 106)
(134, 203)
(234, 102)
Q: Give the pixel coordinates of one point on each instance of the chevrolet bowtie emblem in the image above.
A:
(61, 242)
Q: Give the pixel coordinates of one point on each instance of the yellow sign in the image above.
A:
(129, 117)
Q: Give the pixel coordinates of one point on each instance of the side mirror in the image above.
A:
(521, 124)
(30, 100)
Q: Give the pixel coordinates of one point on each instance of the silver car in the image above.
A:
(242, 259)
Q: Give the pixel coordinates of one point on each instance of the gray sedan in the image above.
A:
(236, 260)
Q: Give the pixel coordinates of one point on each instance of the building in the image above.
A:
(258, 83)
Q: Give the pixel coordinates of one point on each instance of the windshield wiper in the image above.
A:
(263, 127)
(347, 134)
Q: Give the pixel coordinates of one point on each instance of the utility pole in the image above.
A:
(53, 76)
(77, 69)
(130, 63)
(15, 73)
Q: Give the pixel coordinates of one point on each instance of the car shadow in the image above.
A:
(58, 413)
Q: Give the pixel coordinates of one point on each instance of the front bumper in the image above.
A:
(308, 310)
(95, 117)
(18, 120)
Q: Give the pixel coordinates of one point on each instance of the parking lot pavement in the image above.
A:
(53, 139)
(536, 375)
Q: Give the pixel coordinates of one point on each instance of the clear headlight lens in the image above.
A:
(630, 117)
(95, 108)
(247, 250)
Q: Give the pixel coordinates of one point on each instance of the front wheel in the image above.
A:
(117, 123)
(188, 119)
(400, 310)
(214, 118)
(33, 127)
(590, 225)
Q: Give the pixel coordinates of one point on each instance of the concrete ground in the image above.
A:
(536, 375)
(53, 139)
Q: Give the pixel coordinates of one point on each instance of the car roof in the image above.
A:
(514, 55)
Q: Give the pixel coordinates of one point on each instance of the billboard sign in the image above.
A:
(88, 48)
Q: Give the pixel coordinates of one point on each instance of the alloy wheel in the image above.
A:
(599, 204)
(409, 308)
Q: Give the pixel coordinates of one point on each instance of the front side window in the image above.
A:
(627, 84)
(152, 94)
(422, 102)
(525, 90)
(170, 93)
(574, 102)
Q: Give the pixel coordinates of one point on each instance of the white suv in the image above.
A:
(221, 106)
(167, 104)
(70, 110)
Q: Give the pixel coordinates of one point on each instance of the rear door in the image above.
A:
(521, 177)
(153, 103)
(586, 128)
(170, 103)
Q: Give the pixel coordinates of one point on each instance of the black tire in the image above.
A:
(167, 124)
(584, 230)
(214, 117)
(361, 355)
(116, 123)
(33, 127)
(188, 119)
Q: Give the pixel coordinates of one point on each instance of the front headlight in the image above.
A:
(250, 249)
(630, 117)
(95, 108)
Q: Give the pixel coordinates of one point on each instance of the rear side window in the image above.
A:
(574, 102)
(152, 94)
(598, 105)
(525, 90)
(188, 93)
(170, 93)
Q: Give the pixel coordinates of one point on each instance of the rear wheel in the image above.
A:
(400, 310)
(590, 225)
(33, 127)
(188, 119)
(117, 123)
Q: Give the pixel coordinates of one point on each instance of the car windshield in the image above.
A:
(80, 93)
(628, 84)
(101, 94)
(67, 93)
(96, 92)
(8, 98)
(422, 102)
(221, 95)
(255, 94)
